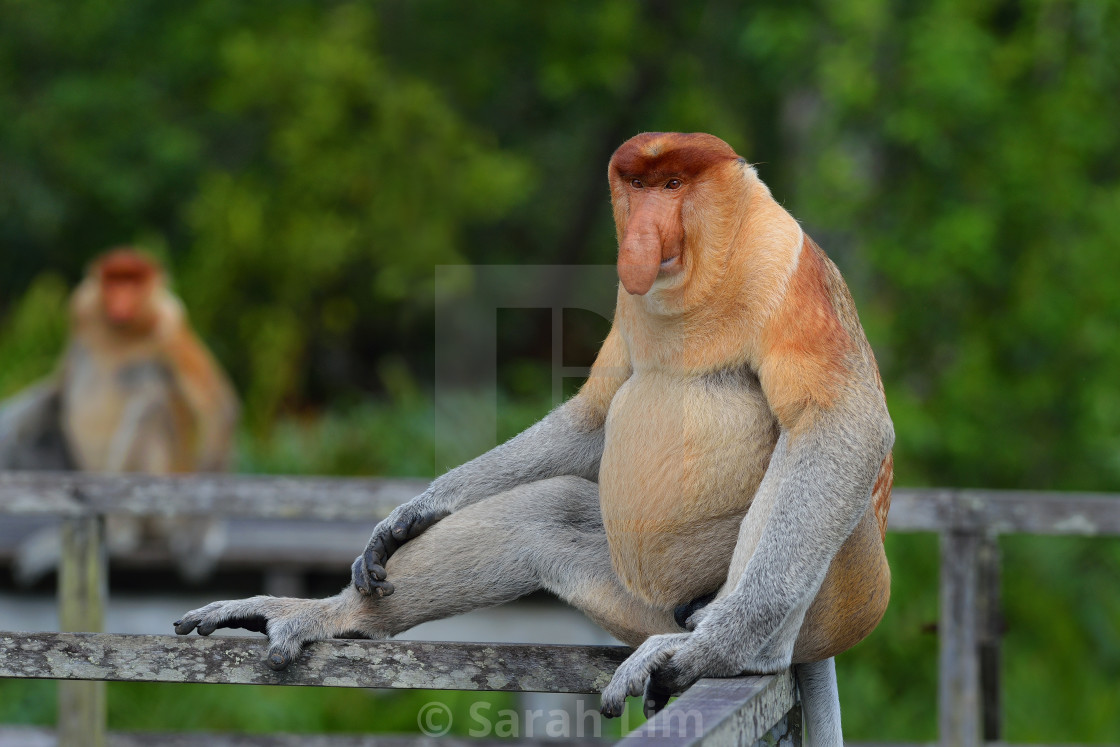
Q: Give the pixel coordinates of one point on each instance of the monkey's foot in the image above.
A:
(406, 521)
(289, 623)
(648, 672)
(668, 664)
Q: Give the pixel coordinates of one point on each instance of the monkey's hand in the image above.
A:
(407, 521)
(289, 623)
(668, 664)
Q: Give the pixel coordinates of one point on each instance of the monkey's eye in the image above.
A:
(673, 184)
(636, 183)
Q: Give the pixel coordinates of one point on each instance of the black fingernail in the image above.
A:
(277, 660)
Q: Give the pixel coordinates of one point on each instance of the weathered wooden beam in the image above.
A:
(1005, 511)
(959, 670)
(239, 660)
(1031, 512)
(65, 494)
(82, 594)
(370, 499)
(739, 710)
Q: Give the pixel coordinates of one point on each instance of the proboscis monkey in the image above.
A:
(136, 391)
(732, 441)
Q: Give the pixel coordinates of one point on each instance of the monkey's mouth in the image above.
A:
(670, 263)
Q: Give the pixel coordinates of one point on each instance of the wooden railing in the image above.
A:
(743, 710)
(968, 522)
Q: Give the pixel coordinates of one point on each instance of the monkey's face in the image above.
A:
(654, 179)
(125, 282)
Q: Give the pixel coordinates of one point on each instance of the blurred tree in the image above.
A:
(303, 191)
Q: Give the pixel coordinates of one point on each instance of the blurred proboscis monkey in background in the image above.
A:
(135, 391)
(716, 494)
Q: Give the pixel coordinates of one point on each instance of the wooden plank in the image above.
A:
(82, 594)
(370, 499)
(740, 710)
(1031, 512)
(337, 663)
(990, 637)
(210, 495)
(919, 510)
(1005, 511)
(51, 495)
(959, 669)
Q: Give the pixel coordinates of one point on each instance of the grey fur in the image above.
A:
(546, 534)
(555, 446)
(31, 434)
(820, 701)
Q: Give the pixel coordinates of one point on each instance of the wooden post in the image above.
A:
(959, 686)
(991, 633)
(82, 591)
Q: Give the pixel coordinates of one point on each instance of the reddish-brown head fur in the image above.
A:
(651, 176)
(126, 279)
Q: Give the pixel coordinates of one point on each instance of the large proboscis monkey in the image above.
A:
(136, 391)
(732, 442)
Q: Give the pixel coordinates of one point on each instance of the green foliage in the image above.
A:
(250, 709)
(33, 334)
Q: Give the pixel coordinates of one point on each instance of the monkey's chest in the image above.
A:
(682, 460)
(114, 411)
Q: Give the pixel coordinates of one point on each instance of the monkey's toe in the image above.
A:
(278, 660)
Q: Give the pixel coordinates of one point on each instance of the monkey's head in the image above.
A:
(664, 186)
(118, 292)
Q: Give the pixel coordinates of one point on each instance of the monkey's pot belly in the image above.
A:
(678, 475)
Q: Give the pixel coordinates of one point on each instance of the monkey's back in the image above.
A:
(683, 457)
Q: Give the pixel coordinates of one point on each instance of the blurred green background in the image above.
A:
(302, 167)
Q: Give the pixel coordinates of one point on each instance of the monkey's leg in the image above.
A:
(547, 534)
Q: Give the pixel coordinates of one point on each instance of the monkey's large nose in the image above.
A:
(639, 259)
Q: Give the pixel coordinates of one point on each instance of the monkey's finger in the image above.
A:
(379, 549)
(370, 583)
(195, 618)
(612, 708)
(413, 527)
(283, 652)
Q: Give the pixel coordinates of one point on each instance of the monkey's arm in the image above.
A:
(209, 395)
(568, 441)
(31, 434)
